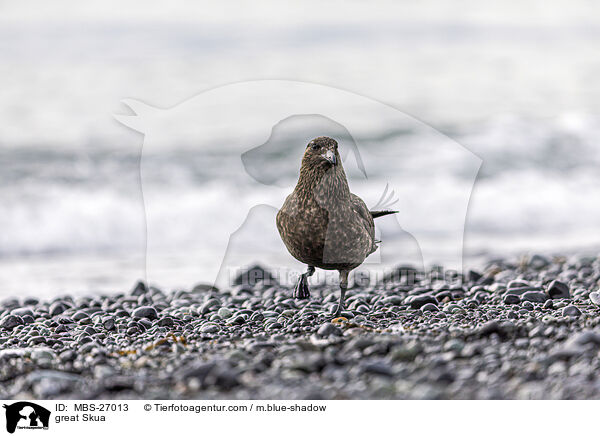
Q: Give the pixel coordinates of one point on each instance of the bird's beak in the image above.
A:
(329, 156)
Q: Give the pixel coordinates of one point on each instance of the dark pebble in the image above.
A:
(165, 321)
(9, 322)
(418, 301)
(557, 290)
(571, 311)
(534, 297)
(23, 311)
(79, 315)
(379, 368)
(65, 320)
(108, 323)
(429, 307)
(139, 289)
(511, 299)
(148, 312)
(56, 308)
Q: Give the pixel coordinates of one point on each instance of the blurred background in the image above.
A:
(514, 82)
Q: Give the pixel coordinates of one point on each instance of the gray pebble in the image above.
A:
(148, 312)
(571, 311)
(534, 297)
(329, 329)
(224, 313)
(429, 307)
(557, 289)
(511, 299)
(9, 322)
(209, 328)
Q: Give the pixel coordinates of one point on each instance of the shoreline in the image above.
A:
(515, 329)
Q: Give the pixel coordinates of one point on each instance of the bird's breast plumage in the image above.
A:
(329, 236)
(322, 223)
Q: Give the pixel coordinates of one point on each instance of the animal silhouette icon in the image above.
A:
(232, 120)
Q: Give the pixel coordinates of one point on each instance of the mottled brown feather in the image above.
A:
(321, 222)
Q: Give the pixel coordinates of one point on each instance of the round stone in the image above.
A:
(534, 297)
(429, 307)
(329, 329)
(22, 311)
(56, 308)
(79, 315)
(108, 323)
(557, 289)
(511, 299)
(166, 321)
(571, 311)
(9, 322)
(209, 328)
(148, 312)
(418, 301)
(223, 312)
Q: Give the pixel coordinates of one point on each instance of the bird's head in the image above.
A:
(321, 152)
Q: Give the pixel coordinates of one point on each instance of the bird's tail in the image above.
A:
(387, 199)
(378, 213)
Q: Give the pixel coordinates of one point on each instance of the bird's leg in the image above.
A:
(301, 290)
(343, 287)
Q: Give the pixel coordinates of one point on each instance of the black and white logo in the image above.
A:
(26, 415)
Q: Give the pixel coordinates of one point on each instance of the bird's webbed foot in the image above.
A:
(301, 290)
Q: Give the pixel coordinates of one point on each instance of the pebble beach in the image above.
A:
(522, 328)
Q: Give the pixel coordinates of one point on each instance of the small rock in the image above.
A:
(534, 297)
(558, 289)
(223, 312)
(56, 308)
(9, 322)
(108, 323)
(329, 329)
(42, 355)
(430, 307)
(518, 284)
(205, 308)
(139, 289)
(571, 311)
(237, 320)
(79, 315)
(209, 328)
(87, 348)
(379, 368)
(147, 312)
(274, 326)
(165, 321)
(511, 299)
(22, 311)
(418, 301)
(392, 300)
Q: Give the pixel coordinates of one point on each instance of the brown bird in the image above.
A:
(322, 223)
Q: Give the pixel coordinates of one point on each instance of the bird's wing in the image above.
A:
(363, 211)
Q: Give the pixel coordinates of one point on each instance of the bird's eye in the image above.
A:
(314, 146)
